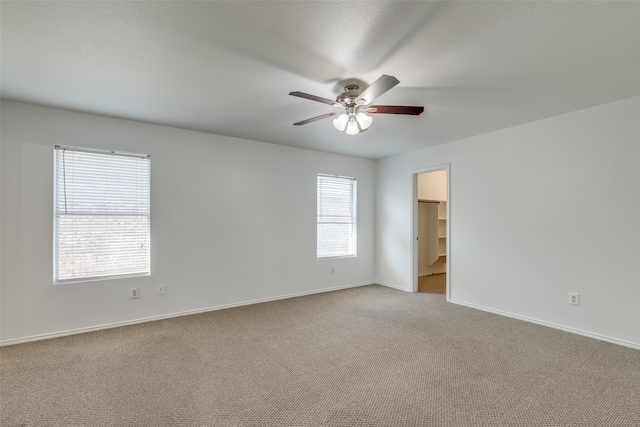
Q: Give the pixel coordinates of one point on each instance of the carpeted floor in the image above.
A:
(369, 356)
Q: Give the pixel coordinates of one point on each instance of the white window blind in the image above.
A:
(102, 209)
(336, 216)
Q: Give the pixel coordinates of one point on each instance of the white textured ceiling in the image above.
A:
(227, 67)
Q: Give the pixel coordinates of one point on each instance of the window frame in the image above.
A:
(354, 216)
(56, 213)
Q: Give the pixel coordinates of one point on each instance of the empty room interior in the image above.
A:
(320, 213)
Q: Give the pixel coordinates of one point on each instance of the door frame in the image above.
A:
(414, 224)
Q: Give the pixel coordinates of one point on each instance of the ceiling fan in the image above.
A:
(355, 103)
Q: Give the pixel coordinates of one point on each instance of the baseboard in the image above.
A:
(171, 315)
(389, 285)
(549, 324)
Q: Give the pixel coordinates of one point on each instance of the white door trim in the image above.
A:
(414, 225)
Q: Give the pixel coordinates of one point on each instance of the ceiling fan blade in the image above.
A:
(376, 89)
(315, 98)
(313, 119)
(395, 109)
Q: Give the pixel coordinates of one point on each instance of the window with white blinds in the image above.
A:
(102, 210)
(336, 216)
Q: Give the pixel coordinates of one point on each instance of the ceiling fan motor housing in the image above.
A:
(349, 96)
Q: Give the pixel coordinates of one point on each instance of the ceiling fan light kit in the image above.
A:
(355, 104)
(352, 121)
(352, 128)
(340, 123)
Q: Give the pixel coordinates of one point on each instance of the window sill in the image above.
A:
(101, 278)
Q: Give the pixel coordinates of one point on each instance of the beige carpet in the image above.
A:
(369, 356)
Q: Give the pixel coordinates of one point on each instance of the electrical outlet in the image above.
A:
(574, 298)
(162, 289)
(134, 293)
(333, 270)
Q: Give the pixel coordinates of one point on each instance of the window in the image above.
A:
(336, 216)
(102, 208)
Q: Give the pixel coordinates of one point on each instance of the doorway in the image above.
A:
(431, 263)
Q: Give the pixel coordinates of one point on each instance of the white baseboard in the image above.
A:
(549, 324)
(389, 285)
(170, 315)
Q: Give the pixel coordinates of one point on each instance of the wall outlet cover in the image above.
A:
(574, 298)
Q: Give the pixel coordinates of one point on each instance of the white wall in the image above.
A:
(537, 211)
(233, 221)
